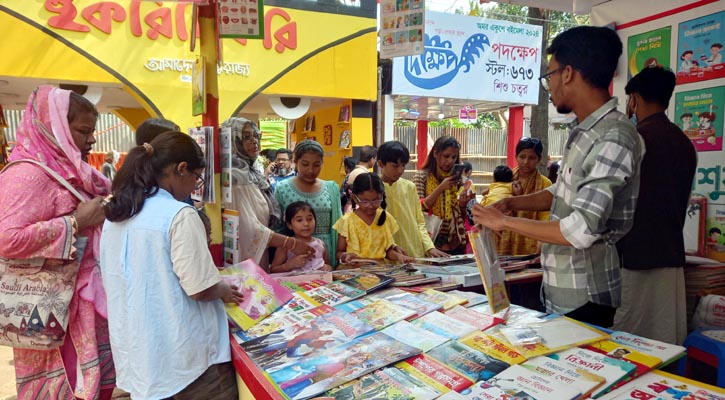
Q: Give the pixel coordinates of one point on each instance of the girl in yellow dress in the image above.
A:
(367, 232)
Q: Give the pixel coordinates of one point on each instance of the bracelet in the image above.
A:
(294, 243)
(74, 223)
(284, 244)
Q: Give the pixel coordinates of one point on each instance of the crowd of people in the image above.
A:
(147, 308)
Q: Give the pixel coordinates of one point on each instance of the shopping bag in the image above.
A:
(433, 225)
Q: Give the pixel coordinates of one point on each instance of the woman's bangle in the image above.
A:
(74, 223)
(284, 244)
(294, 243)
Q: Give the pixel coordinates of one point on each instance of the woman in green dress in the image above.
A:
(323, 196)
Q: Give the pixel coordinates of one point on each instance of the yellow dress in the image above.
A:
(497, 191)
(367, 241)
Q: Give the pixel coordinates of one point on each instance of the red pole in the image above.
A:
(421, 131)
(515, 133)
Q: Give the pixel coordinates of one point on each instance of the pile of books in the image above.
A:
(702, 276)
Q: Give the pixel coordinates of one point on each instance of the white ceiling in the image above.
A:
(572, 6)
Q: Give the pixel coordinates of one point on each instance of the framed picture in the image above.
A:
(345, 139)
(344, 115)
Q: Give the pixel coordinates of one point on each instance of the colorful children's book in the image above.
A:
(473, 318)
(302, 286)
(415, 336)
(584, 381)
(549, 336)
(300, 302)
(382, 313)
(262, 294)
(479, 391)
(664, 351)
(273, 351)
(387, 383)
(643, 362)
(369, 282)
(473, 298)
(444, 325)
(434, 373)
(277, 322)
(469, 362)
(446, 300)
(659, 385)
(415, 303)
(314, 374)
(495, 348)
(351, 306)
(335, 293)
(521, 382)
(611, 369)
(493, 277)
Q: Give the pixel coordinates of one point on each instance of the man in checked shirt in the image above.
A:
(592, 203)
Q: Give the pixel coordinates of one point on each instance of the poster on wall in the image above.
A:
(473, 58)
(225, 157)
(198, 87)
(649, 49)
(699, 48)
(715, 232)
(241, 19)
(402, 27)
(699, 113)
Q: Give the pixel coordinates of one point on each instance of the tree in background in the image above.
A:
(553, 23)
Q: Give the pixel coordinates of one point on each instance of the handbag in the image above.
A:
(35, 294)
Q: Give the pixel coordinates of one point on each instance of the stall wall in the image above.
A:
(648, 16)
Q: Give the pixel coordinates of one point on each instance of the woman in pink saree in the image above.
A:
(39, 218)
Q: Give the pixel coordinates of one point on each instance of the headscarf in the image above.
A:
(44, 135)
(249, 168)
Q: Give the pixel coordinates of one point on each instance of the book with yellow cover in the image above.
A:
(492, 275)
(434, 374)
(493, 347)
(444, 299)
(643, 362)
(664, 386)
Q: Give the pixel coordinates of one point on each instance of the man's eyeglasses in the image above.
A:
(546, 78)
(368, 203)
(199, 181)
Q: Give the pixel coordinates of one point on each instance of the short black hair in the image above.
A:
(367, 153)
(350, 162)
(503, 173)
(283, 151)
(714, 230)
(467, 167)
(530, 143)
(393, 151)
(269, 154)
(593, 51)
(654, 85)
(153, 127)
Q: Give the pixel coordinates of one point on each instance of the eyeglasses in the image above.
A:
(248, 136)
(546, 78)
(199, 181)
(368, 203)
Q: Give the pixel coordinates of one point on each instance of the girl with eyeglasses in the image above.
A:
(367, 232)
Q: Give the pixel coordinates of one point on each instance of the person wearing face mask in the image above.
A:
(652, 275)
(592, 203)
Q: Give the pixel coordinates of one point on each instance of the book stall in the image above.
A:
(366, 333)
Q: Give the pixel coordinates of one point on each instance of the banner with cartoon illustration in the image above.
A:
(473, 58)
(402, 24)
(699, 48)
(649, 49)
(699, 113)
(715, 232)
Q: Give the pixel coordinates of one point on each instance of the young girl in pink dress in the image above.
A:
(300, 218)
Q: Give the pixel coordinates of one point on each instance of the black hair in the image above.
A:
(294, 208)
(283, 151)
(393, 151)
(367, 153)
(439, 146)
(308, 146)
(78, 104)
(140, 173)
(204, 218)
(370, 181)
(718, 45)
(594, 51)
(682, 57)
(151, 128)
(467, 167)
(654, 85)
(349, 162)
(553, 172)
(714, 230)
(269, 154)
(530, 143)
(503, 173)
(686, 115)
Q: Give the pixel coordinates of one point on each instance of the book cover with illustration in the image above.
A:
(368, 282)
(317, 373)
(415, 303)
(474, 318)
(334, 293)
(279, 321)
(443, 325)
(300, 302)
(549, 336)
(643, 362)
(262, 294)
(353, 305)
(664, 351)
(446, 300)
(480, 391)
(434, 373)
(387, 383)
(382, 313)
(488, 344)
(472, 298)
(285, 346)
(414, 335)
(611, 369)
(471, 363)
(489, 267)
(525, 384)
(660, 385)
(584, 381)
